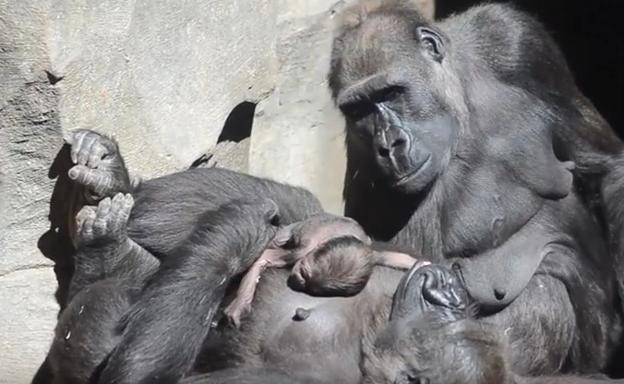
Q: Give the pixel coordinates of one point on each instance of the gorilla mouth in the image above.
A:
(411, 175)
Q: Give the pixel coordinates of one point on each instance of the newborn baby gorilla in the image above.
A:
(331, 256)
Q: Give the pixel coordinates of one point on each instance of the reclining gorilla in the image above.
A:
(429, 168)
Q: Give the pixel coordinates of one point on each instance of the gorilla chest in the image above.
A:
(486, 211)
(324, 344)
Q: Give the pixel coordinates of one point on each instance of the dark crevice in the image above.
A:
(238, 125)
(52, 78)
(203, 159)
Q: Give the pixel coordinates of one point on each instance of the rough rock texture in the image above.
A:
(300, 114)
(170, 80)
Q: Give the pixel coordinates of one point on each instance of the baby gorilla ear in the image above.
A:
(271, 211)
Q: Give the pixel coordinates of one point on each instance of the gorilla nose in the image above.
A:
(391, 143)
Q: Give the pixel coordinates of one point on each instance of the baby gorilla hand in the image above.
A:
(430, 288)
(106, 223)
(99, 166)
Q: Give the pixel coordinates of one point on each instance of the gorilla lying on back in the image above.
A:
(484, 193)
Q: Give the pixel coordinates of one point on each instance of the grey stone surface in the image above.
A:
(298, 120)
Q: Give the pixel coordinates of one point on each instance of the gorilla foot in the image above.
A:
(106, 223)
(99, 165)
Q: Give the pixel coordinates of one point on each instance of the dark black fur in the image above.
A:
(461, 139)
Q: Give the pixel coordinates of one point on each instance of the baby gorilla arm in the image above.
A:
(247, 288)
(397, 260)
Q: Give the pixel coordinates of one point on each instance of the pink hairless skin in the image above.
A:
(330, 255)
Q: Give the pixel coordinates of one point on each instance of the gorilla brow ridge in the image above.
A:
(354, 15)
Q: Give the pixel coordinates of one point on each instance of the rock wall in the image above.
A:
(237, 83)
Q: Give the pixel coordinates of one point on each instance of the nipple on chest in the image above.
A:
(301, 314)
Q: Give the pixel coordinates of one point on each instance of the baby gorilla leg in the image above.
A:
(99, 165)
(109, 271)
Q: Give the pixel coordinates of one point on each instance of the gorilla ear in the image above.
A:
(271, 212)
(432, 42)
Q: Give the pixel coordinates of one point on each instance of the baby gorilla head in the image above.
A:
(339, 267)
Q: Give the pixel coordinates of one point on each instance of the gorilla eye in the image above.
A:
(432, 42)
(275, 220)
(387, 94)
(357, 110)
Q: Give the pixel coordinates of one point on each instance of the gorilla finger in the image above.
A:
(85, 149)
(86, 231)
(102, 216)
(120, 211)
(95, 155)
(126, 207)
(91, 178)
(77, 144)
(85, 212)
(408, 296)
(437, 297)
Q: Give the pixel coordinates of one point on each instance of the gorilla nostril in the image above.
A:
(384, 152)
(398, 143)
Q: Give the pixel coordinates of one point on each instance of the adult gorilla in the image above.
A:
(462, 137)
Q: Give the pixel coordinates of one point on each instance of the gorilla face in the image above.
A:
(397, 115)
